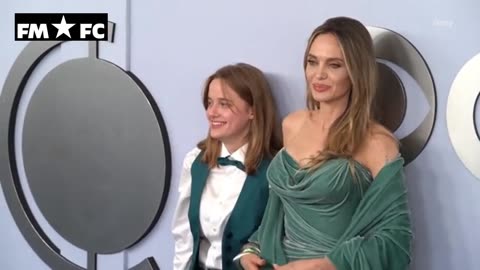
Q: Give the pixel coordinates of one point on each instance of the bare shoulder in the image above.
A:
(380, 148)
(292, 122)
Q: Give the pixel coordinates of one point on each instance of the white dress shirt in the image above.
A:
(219, 196)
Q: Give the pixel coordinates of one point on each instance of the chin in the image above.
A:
(325, 97)
(216, 135)
(321, 99)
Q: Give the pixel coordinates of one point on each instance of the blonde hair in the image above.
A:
(264, 136)
(349, 131)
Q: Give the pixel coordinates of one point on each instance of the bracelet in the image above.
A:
(251, 245)
(247, 249)
(252, 250)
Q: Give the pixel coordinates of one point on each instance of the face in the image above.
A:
(326, 71)
(228, 114)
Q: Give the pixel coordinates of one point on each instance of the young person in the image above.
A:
(223, 187)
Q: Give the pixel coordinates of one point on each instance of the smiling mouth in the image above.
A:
(216, 124)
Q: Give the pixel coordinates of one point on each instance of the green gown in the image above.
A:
(336, 211)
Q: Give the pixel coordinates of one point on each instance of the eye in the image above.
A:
(311, 62)
(402, 57)
(225, 104)
(335, 65)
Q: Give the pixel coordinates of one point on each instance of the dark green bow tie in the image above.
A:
(225, 161)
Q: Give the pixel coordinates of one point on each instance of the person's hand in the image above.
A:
(251, 262)
(322, 264)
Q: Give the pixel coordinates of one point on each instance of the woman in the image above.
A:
(337, 199)
(223, 187)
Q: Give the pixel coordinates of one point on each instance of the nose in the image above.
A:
(321, 72)
(212, 110)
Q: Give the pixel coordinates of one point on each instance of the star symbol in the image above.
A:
(63, 27)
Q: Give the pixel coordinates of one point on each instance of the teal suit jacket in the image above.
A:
(245, 218)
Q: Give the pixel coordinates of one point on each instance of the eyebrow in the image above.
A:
(221, 99)
(328, 59)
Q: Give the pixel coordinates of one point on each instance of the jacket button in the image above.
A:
(229, 235)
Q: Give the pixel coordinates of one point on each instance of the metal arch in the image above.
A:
(393, 47)
(464, 95)
(13, 89)
(147, 264)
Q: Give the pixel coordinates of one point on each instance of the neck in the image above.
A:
(234, 146)
(329, 112)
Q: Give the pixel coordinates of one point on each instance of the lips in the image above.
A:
(217, 124)
(318, 87)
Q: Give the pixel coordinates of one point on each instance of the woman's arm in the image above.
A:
(379, 236)
(181, 225)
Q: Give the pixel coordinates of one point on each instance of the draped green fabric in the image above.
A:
(336, 211)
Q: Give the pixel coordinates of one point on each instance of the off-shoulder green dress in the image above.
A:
(337, 211)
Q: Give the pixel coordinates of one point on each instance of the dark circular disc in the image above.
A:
(390, 103)
(96, 155)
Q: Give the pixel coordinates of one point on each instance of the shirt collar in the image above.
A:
(238, 155)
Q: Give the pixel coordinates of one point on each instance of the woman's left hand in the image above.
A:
(313, 264)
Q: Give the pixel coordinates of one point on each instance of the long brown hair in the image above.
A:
(349, 131)
(264, 136)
